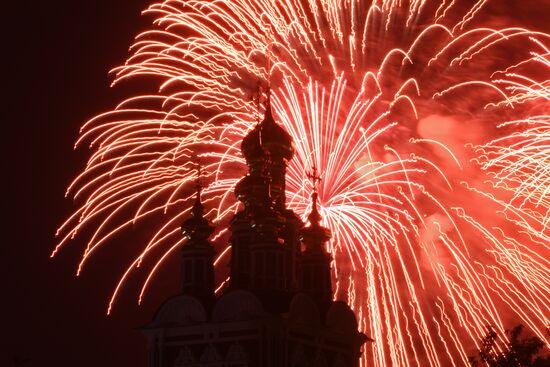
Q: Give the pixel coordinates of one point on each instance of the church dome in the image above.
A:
(304, 311)
(341, 318)
(250, 186)
(243, 188)
(237, 305)
(268, 137)
(274, 138)
(181, 310)
(197, 227)
(251, 145)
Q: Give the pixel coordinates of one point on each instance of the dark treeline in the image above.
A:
(519, 351)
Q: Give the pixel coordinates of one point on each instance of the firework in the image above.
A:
(426, 253)
(519, 159)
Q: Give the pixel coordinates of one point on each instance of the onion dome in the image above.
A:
(340, 317)
(238, 305)
(274, 138)
(243, 188)
(181, 310)
(267, 137)
(251, 146)
(303, 310)
(253, 190)
(197, 228)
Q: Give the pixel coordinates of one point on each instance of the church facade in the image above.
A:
(277, 309)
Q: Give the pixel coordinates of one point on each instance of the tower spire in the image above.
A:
(197, 228)
(315, 236)
(256, 99)
(315, 274)
(197, 253)
(314, 217)
(198, 208)
(263, 244)
(269, 61)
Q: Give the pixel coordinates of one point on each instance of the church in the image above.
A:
(277, 309)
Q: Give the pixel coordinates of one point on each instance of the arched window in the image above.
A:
(210, 357)
(299, 358)
(236, 356)
(320, 360)
(185, 358)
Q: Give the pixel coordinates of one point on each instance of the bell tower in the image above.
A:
(262, 234)
(314, 270)
(277, 309)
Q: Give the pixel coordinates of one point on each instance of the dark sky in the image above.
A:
(58, 57)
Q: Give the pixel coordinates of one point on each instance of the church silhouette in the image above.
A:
(277, 309)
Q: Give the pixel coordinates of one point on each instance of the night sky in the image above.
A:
(59, 55)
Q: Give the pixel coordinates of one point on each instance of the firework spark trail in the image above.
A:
(352, 82)
(519, 160)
